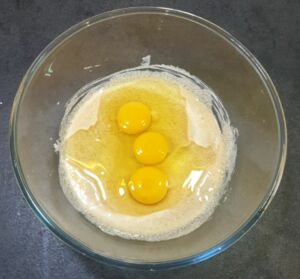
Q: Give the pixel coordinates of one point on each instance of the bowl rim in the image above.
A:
(118, 262)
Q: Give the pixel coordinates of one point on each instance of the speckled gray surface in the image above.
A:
(270, 29)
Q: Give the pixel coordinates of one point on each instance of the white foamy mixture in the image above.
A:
(205, 187)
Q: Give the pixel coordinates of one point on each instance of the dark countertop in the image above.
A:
(270, 29)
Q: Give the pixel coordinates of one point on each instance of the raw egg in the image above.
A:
(150, 148)
(148, 185)
(134, 118)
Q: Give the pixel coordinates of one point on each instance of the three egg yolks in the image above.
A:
(148, 185)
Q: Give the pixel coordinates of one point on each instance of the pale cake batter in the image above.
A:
(191, 155)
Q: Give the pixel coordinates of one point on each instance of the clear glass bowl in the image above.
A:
(117, 40)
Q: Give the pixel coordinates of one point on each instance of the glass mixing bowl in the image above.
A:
(118, 40)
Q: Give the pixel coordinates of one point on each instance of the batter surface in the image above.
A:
(97, 159)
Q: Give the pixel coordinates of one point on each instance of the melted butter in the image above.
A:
(103, 155)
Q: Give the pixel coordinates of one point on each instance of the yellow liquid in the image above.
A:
(103, 154)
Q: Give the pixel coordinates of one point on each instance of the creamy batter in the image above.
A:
(96, 158)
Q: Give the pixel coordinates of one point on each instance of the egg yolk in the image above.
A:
(150, 148)
(134, 118)
(148, 185)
